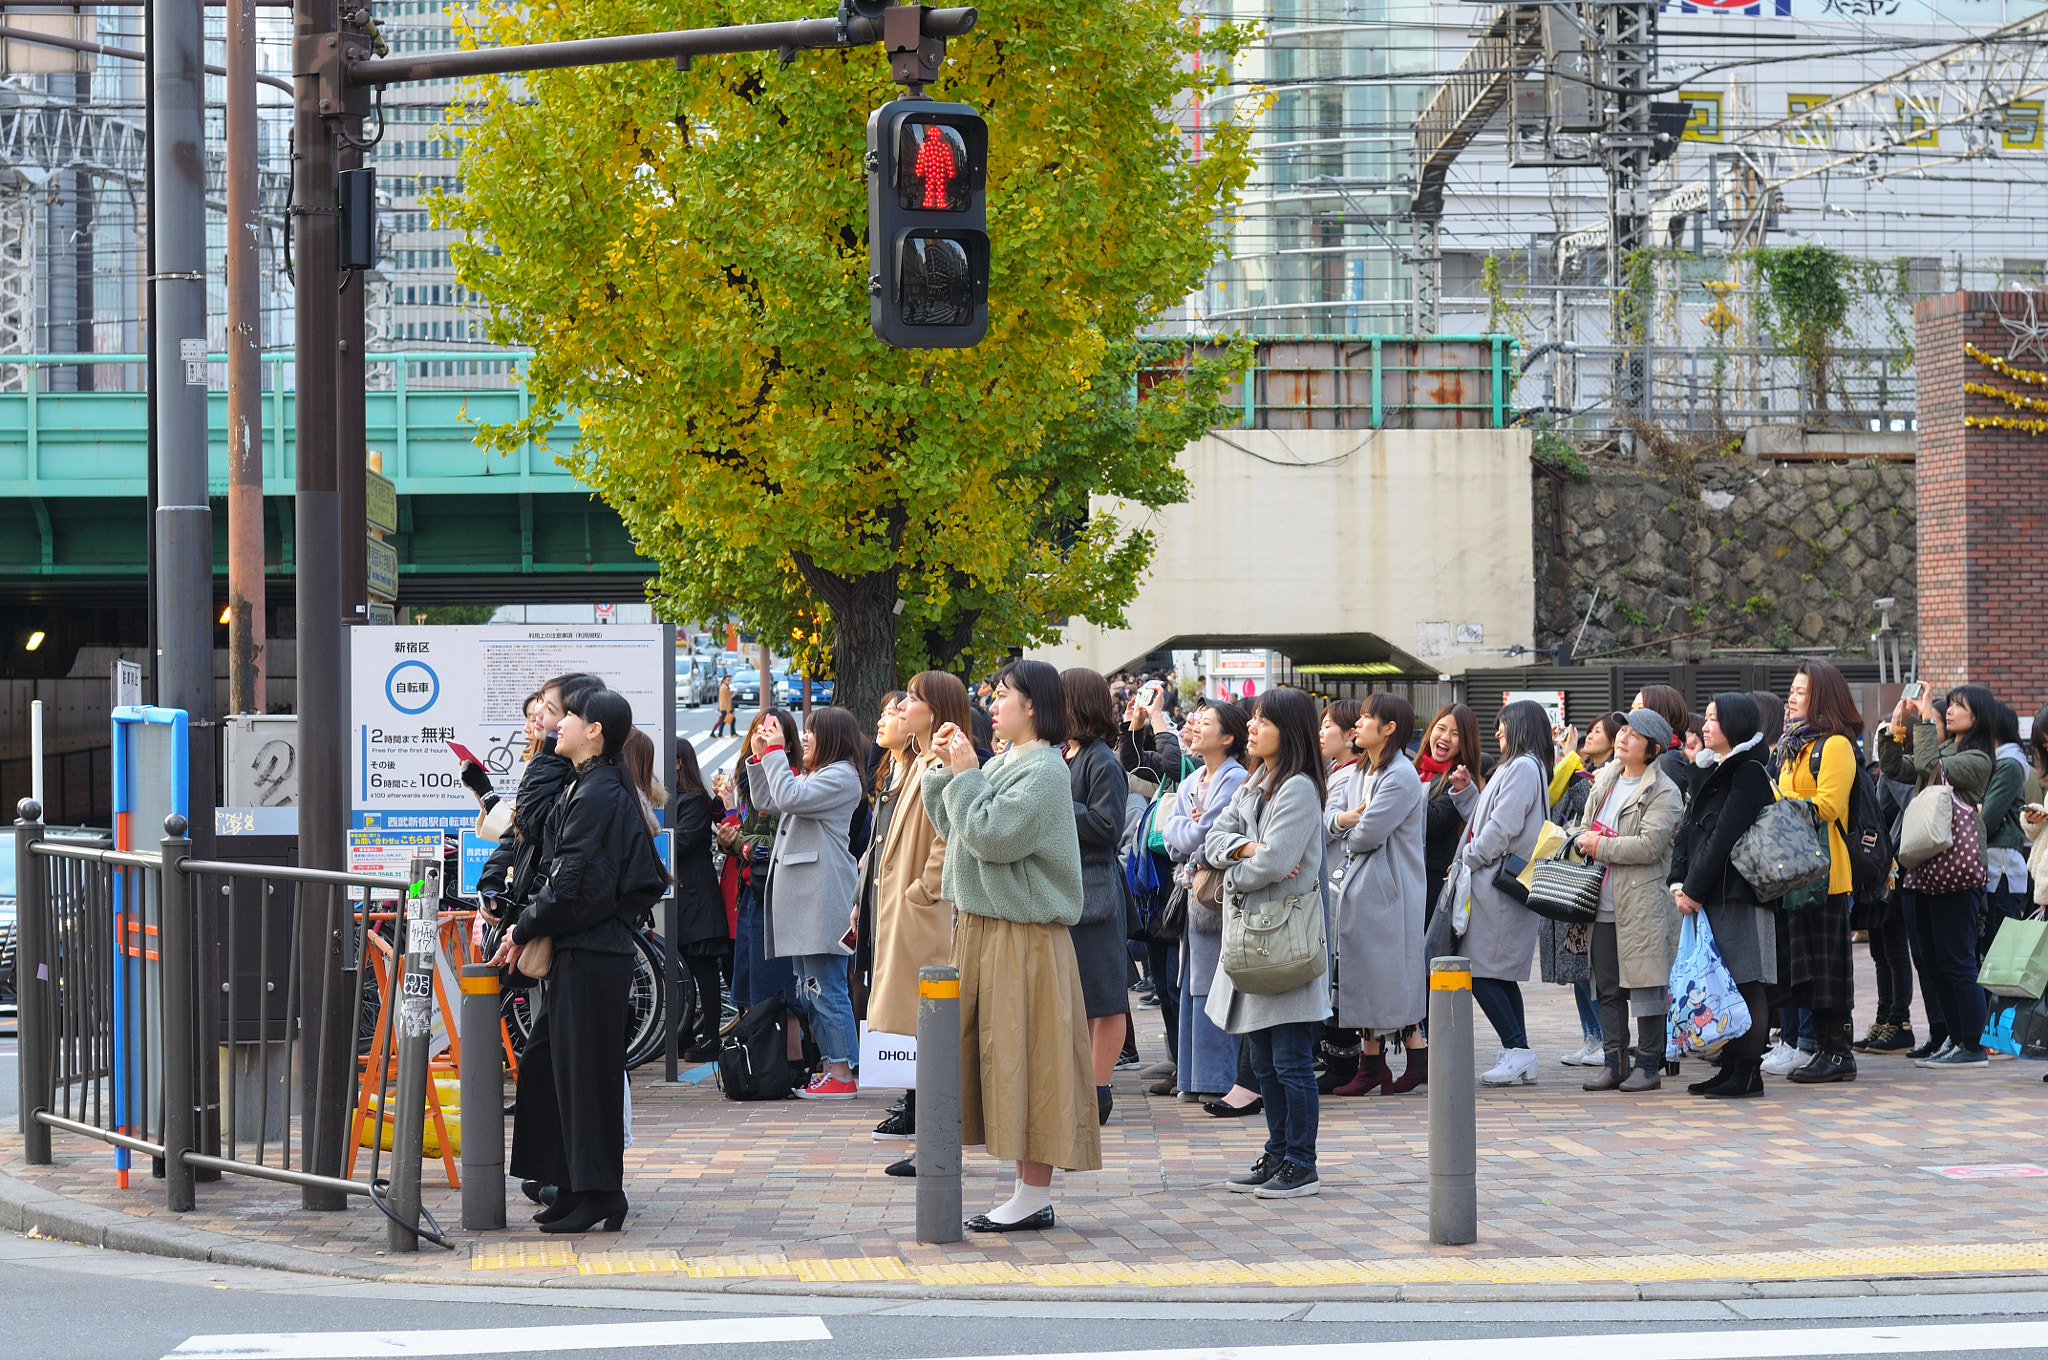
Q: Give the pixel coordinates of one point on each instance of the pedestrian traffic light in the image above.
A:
(928, 252)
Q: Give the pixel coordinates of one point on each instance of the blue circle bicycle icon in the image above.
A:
(400, 692)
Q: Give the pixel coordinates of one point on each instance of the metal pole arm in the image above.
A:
(689, 42)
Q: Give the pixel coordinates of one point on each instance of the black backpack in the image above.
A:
(1864, 831)
(753, 1064)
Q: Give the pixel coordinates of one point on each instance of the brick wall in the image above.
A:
(1983, 503)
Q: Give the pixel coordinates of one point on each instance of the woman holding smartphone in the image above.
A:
(1013, 866)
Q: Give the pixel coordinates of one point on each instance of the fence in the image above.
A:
(163, 1009)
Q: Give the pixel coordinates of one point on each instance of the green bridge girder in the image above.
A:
(474, 523)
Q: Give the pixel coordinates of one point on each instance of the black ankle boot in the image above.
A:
(1745, 1081)
(1340, 1069)
(603, 1207)
(1836, 1060)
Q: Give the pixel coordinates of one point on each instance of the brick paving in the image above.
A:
(1679, 1182)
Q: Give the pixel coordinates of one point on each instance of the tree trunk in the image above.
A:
(863, 635)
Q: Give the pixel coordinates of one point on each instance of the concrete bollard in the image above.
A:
(413, 970)
(483, 1100)
(938, 1104)
(1453, 1138)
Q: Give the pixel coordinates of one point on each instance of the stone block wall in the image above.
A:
(1985, 491)
(1736, 551)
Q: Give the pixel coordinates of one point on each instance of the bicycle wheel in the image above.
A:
(516, 1008)
(646, 1005)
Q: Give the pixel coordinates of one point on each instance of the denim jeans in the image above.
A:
(1589, 1010)
(1163, 959)
(1502, 1002)
(755, 976)
(1283, 1061)
(821, 995)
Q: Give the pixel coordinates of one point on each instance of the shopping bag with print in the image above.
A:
(1707, 1009)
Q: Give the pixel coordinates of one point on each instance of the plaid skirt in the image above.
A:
(1815, 971)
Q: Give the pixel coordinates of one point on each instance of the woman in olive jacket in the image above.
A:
(1731, 789)
(1955, 743)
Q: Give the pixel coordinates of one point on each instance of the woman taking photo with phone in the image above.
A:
(1375, 816)
(1926, 745)
(1500, 936)
(811, 880)
(1013, 867)
(1271, 837)
(913, 919)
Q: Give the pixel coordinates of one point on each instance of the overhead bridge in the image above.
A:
(474, 524)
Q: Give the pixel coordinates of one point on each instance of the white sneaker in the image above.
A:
(1512, 1066)
(1784, 1059)
(1592, 1054)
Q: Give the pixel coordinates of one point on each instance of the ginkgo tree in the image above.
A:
(685, 253)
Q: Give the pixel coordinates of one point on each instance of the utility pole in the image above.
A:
(245, 372)
(183, 563)
(1625, 60)
(327, 1006)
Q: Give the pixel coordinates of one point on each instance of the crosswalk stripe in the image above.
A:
(500, 1340)
(1732, 1345)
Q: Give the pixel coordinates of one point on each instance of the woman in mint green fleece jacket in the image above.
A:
(1013, 867)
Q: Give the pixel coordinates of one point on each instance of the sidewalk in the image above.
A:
(1642, 1194)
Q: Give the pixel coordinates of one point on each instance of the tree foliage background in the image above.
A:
(685, 252)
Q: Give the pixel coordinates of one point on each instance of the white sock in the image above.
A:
(1027, 1200)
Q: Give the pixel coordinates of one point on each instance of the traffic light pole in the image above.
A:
(334, 72)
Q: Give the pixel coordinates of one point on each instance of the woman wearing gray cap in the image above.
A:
(1630, 824)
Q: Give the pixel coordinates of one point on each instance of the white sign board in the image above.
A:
(888, 1062)
(127, 684)
(414, 689)
(1551, 701)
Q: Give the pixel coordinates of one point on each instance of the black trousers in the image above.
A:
(704, 972)
(537, 1118)
(1946, 926)
(587, 1006)
(1891, 956)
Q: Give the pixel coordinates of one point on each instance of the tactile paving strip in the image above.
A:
(2012, 1258)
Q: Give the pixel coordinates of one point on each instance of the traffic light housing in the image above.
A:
(928, 251)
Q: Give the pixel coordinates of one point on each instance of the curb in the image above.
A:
(36, 1212)
(33, 1211)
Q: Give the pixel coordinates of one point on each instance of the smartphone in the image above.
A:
(1149, 692)
(1912, 692)
(464, 754)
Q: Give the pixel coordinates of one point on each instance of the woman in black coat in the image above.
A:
(1731, 789)
(507, 884)
(602, 876)
(1101, 806)
(702, 937)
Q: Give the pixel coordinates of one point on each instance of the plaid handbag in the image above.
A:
(1565, 889)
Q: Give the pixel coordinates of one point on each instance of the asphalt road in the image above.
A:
(64, 1302)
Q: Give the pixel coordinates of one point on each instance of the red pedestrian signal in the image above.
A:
(928, 248)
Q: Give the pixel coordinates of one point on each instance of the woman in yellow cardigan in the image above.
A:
(1817, 762)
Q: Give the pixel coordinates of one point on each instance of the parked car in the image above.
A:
(696, 682)
(790, 683)
(746, 687)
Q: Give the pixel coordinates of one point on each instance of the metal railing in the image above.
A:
(160, 1008)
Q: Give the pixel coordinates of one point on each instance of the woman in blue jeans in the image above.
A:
(1271, 840)
(812, 881)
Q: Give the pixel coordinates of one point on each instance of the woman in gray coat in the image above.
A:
(1500, 937)
(1215, 735)
(1271, 839)
(812, 880)
(1378, 890)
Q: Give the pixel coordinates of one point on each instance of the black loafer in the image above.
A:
(1038, 1221)
(1223, 1109)
(906, 1167)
